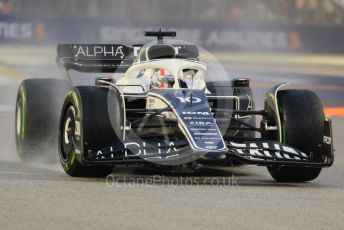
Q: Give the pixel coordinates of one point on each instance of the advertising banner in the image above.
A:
(210, 35)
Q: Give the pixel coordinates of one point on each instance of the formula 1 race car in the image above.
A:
(163, 111)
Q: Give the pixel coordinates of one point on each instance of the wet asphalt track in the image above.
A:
(43, 197)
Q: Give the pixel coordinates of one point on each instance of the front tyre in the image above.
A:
(302, 120)
(86, 126)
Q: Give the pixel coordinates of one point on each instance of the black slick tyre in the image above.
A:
(38, 106)
(302, 119)
(91, 119)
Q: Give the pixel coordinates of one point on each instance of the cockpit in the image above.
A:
(164, 66)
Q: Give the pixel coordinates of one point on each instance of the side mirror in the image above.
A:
(104, 80)
(241, 82)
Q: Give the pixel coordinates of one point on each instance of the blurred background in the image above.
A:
(269, 41)
(301, 26)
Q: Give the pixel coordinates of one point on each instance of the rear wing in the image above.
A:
(95, 57)
(108, 58)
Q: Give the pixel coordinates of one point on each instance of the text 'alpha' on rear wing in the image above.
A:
(95, 57)
(109, 58)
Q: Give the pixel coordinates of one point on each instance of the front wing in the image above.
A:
(263, 153)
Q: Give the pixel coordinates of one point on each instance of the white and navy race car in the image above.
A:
(163, 112)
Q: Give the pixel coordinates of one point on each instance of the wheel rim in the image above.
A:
(67, 129)
(18, 120)
(68, 134)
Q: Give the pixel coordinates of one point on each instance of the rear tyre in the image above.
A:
(85, 126)
(38, 106)
(302, 119)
